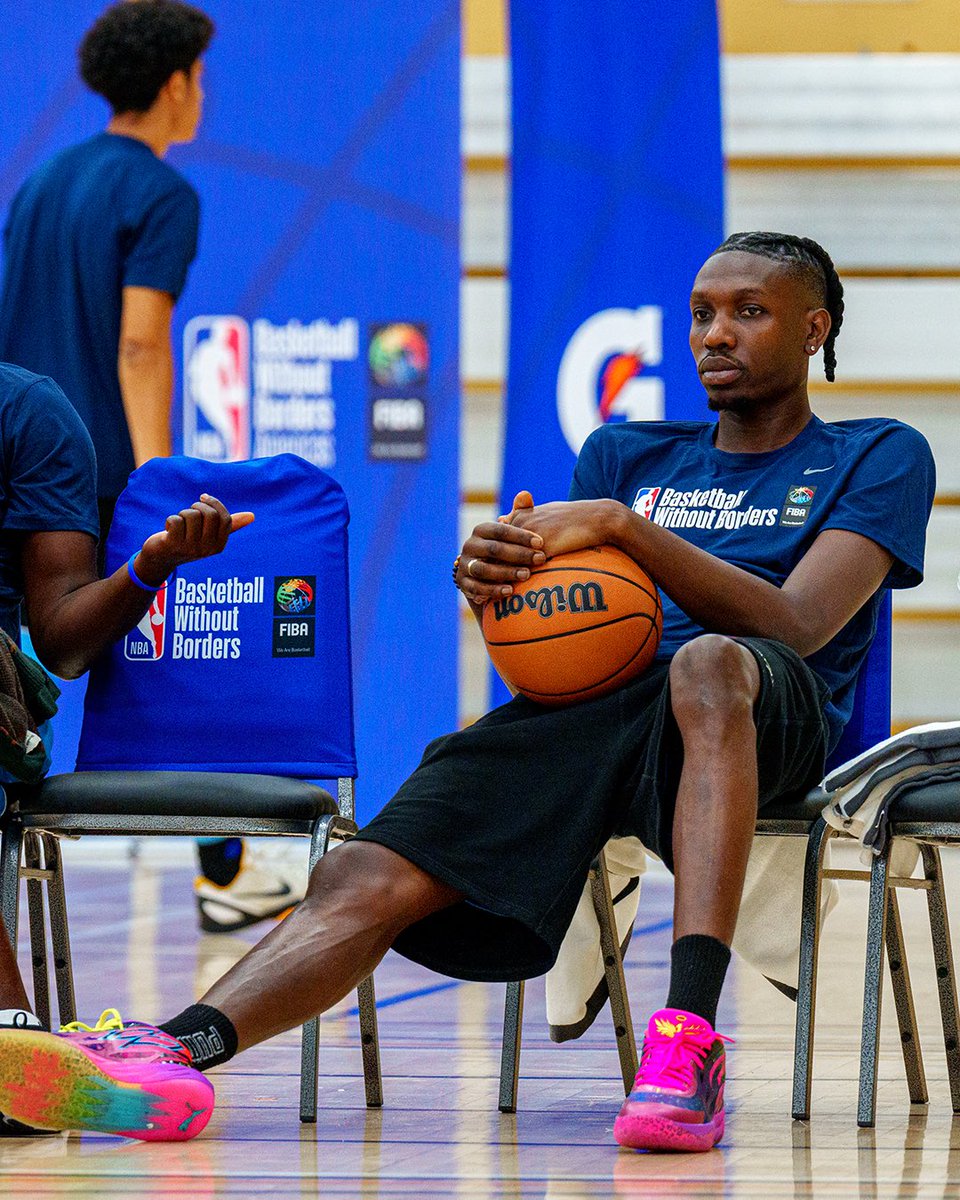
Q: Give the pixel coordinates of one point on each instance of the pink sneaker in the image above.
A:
(677, 1097)
(132, 1080)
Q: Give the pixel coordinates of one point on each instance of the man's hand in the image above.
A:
(568, 525)
(497, 555)
(195, 532)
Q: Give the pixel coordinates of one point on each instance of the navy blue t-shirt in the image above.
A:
(47, 476)
(762, 512)
(100, 216)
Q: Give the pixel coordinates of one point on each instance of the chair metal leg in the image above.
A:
(370, 1043)
(903, 997)
(11, 844)
(613, 970)
(59, 930)
(38, 929)
(510, 1053)
(943, 961)
(310, 1037)
(817, 841)
(309, 1065)
(873, 992)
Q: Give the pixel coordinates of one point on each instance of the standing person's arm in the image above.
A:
(145, 369)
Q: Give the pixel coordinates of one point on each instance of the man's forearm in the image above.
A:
(146, 384)
(716, 594)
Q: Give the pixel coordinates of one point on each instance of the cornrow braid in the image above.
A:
(813, 262)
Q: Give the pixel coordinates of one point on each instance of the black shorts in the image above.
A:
(512, 810)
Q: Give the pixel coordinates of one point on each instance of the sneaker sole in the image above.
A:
(660, 1133)
(50, 1083)
(243, 920)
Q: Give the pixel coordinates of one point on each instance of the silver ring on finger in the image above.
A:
(470, 567)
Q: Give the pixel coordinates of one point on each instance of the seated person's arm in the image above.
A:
(832, 581)
(74, 616)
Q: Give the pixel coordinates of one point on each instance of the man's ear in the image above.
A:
(818, 327)
(177, 87)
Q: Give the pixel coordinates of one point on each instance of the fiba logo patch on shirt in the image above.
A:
(645, 501)
(796, 507)
(145, 642)
(294, 616)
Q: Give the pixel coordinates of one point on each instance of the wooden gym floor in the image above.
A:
(439, 1135)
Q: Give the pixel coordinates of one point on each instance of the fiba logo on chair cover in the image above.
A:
(603, 372)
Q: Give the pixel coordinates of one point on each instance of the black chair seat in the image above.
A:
(933, 802)
(805, 808)
(175, 794)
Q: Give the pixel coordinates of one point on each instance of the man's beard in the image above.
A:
(735, 404)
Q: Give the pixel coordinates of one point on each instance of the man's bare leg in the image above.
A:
(12, 993)
(360, 897)
(714, 684)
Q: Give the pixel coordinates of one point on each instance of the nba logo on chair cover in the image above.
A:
(216, 388)
(146, 642)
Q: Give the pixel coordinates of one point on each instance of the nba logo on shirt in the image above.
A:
(145, 643)
(216, 389)
(646, 501)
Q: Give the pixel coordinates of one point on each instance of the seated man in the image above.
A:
(48, 558)
(769, 612)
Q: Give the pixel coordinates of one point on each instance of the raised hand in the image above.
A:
(195, 532)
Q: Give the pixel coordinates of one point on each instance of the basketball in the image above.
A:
(582, 625)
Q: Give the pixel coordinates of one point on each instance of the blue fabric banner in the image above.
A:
(617, 198)
(321, 315)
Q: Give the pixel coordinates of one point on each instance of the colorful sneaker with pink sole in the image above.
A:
(677, 1097)
(130, 1079)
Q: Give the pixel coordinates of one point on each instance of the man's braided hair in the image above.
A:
(809, 259)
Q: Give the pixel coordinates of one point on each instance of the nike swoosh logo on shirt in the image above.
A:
(818, 470)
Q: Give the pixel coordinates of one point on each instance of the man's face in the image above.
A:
(750, 325)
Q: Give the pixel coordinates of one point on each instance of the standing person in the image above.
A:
(97, 248)
(768, 617)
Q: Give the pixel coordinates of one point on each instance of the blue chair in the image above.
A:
(213, 715)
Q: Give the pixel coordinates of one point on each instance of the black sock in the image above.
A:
(207, 1033)
(698, 964)
(220, 860)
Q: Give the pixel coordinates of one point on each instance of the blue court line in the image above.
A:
(402, 997)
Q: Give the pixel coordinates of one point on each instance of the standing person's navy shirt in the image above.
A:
(762, 512)
(47, 476)
(98, 217)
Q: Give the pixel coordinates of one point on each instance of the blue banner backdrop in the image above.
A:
(321, 316)
(617, 198)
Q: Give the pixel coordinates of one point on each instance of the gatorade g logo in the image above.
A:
(603, 374)
(146, 642)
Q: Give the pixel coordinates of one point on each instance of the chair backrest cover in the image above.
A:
(243, 661)
(870, 721)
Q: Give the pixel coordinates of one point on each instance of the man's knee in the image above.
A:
(372, 880)
(713, 680)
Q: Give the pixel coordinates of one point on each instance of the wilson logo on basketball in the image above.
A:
(577, 598)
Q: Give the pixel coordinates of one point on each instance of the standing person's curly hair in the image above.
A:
(132, 49)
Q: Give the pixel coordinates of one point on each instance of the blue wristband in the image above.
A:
(135, 578)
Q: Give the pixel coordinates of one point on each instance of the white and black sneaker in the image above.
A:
(260, 891)
(17, 1018)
